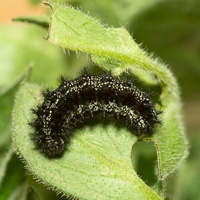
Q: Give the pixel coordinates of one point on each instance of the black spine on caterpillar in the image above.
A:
(88, 96)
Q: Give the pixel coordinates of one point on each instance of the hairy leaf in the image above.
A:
(114, 49)
(96, 165)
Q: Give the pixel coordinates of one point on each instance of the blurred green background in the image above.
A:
(170, 29)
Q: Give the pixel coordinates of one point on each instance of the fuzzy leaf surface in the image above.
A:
(96, 165)
(115, 50)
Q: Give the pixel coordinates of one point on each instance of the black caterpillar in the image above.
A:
(76, 100)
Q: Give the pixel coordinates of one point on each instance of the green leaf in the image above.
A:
(110, 49)
(82, 33)
(6, 106)
(38, 20)
(22, 47)
(14, 176)
(96, 165)
(170, 142)
(4, 159)
(115, 49)
(19, 192)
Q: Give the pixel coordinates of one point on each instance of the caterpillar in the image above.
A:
(88, 96)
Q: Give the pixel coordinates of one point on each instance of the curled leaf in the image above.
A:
(114, 49)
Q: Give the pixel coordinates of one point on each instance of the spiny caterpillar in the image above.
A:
(86, 97)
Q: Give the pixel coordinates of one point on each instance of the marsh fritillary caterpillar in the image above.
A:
(85, 97)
